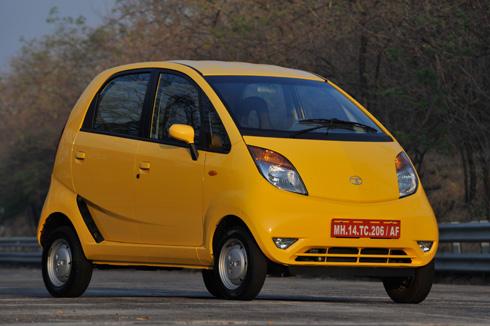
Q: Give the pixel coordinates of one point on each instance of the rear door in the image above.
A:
(104, 154)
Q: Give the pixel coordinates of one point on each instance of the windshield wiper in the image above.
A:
(329, 123)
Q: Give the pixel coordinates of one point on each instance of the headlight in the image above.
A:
(277, 170)
(407, 178)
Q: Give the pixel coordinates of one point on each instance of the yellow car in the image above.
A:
(240, 170)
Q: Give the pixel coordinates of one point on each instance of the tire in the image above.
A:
(247, 266)
(66, 271)
(412, 289)
(211, 283)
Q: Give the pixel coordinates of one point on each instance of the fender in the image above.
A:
(218, 212)
(66, 204)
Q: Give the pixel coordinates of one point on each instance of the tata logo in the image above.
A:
(355, 180)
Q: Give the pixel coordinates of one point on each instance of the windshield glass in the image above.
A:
(284, 107)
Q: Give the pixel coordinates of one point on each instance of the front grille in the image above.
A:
(342, 251)
(355, 255)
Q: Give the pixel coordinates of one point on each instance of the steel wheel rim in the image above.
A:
(59, 262)
(233, 264)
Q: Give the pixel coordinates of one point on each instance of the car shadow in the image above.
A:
(192, 295)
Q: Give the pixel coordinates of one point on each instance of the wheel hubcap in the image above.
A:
(59, 262)
(233, 264)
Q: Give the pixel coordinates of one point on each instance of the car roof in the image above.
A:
(222, 68)
(227, 68)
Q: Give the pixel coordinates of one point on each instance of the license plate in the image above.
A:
(376, 229)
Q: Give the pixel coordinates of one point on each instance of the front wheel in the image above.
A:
(413, 289)
(66, 271)
(239, 269)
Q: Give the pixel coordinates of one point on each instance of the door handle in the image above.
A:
(79, 155)
(145, 166)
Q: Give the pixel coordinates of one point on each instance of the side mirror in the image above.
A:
(184, 133)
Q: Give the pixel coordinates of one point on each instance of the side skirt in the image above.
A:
(144, 266)
(88, 220)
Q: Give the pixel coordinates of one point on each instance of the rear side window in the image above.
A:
(120, 104)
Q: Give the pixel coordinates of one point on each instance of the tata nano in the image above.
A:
(240, 170)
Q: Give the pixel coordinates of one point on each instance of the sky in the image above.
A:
(27, 19)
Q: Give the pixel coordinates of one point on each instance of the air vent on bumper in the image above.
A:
(354, 255)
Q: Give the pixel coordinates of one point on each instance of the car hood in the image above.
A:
(340, 170)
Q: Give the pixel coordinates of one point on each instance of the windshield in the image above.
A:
(285, 107)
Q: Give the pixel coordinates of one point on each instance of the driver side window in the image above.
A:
(177, 101)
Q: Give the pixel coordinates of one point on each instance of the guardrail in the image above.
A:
(458, 234)
(25, 250)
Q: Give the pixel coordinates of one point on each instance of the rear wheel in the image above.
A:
(412, 289)
(239, 269)
(66, 271)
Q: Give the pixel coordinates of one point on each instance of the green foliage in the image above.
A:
(24, 174)
(427, 77)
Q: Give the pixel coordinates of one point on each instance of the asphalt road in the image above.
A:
(174, 297)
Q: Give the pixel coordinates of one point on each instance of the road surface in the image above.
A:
(179, 298)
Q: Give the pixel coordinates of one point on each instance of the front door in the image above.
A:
(168, 192)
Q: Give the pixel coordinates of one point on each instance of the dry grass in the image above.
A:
(443, 181)
(18, 226)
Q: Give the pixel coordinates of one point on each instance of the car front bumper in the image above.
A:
(309, 220)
